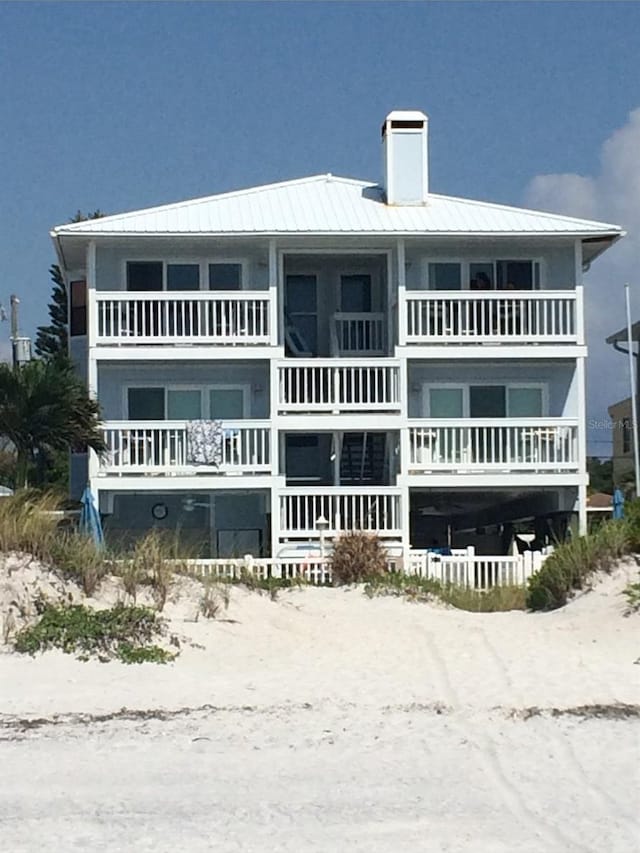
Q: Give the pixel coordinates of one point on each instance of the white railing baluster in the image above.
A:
(542, 444)
(199, 317)
(468, 317)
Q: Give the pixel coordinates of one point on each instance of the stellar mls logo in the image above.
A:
(594, 423)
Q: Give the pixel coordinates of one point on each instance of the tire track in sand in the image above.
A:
(598, 795)
(550, 837)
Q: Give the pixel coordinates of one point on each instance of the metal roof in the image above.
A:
(324, 204)
(621, 336)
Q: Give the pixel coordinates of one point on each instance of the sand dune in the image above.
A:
(328, 721)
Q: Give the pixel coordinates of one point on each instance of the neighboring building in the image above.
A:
(622, 420)
(332, 350)
(621, 413)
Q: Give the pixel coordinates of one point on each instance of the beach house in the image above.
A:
(281, 363)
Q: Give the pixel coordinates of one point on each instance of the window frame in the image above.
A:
(466, 405)
(465, 275)
(204, 390)
(202, 262)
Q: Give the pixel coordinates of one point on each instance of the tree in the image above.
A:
(52, 341)
(600, 474)
(45, 408)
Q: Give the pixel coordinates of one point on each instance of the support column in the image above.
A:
(275, 312)
(582, 510)
(274, 456)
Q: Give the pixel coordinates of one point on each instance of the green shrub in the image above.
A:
(28, 523)
(215, 597)
(153, 561)
(123, 633)
(573, 563)
(632, 593)
(357, 556)
(632, 517)
(77, 556)
(499, 598)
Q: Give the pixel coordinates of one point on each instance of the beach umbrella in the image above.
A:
(617, 504)
(90, 523)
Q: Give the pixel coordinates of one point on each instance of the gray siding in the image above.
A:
(559, 378)
(113, 379)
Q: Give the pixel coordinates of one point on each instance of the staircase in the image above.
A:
(363, 459)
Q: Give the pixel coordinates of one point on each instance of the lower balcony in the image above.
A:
(344, 508)
(178, 447)
(531, 445)
(337, 386)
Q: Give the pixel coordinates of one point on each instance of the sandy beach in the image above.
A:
(327, 721)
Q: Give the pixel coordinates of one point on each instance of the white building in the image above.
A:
(375, 355)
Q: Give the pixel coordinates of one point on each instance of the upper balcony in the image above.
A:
(491, 317)
(233, 318)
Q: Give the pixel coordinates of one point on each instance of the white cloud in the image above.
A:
(612, 195)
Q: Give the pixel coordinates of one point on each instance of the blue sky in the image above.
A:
(121, 106)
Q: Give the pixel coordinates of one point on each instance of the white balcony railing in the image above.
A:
(230, 317)
(316, 385)
(498, 316)
(538, 444)
(376, 509)
(142, 447)
(358, 335)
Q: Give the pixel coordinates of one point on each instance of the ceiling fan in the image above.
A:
(190, 503)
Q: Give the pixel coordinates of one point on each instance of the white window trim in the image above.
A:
(466, 405)
(465, 264)
(204, 395)
(203, 270)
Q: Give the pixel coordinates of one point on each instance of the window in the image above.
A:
(144, 275)
(183, 277)
(517, 275)
(446, 402)
(445, 276)
(184, 404)
(146, 404)
(524, 402)
(481, 276)
(226, 403)
(485, 401)
(626, 435)
(224, 276)
(78, 308)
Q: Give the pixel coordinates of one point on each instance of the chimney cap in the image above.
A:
(414, 117)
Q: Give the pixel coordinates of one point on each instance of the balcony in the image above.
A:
(348, 386)
(176, 447)
(479, 446)
(375, 508)
(233, 318)
(492, 317)
(358, 335)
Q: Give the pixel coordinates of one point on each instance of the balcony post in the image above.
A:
(274, 331)
(402, 294)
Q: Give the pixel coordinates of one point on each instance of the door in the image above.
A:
(301, 315)
(355, 294)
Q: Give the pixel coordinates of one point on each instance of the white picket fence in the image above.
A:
(460, 568)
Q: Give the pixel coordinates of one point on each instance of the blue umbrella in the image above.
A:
(90, 523)
(617, 504)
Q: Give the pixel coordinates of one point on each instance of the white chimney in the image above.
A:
(404, 147)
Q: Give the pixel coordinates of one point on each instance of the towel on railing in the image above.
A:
(204, 443)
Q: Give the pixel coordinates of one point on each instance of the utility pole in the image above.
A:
(20, 346)
(634, 392)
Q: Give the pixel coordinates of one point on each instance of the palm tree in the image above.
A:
(45, 408)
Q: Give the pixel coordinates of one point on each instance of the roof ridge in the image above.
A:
(174, 205)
